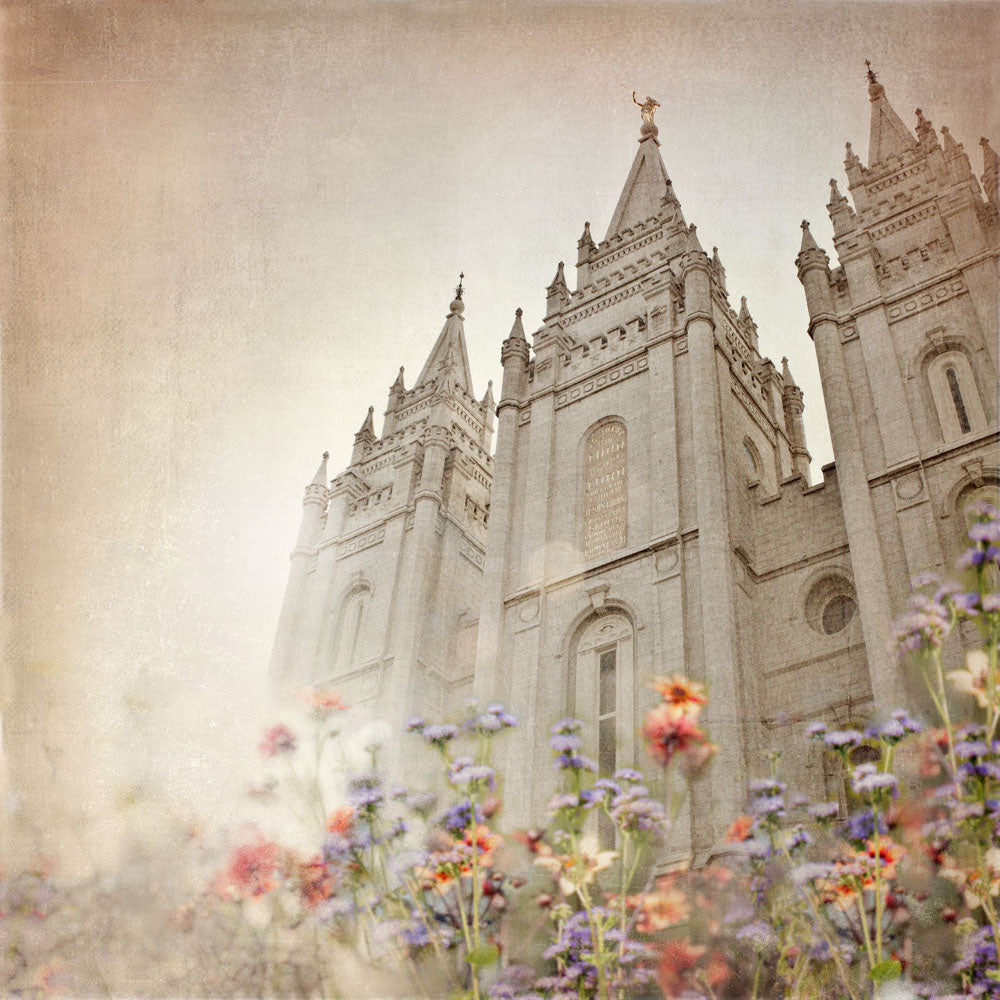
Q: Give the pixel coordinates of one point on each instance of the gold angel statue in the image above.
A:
(647, 108)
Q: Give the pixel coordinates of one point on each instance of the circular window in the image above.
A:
(831, 604)
(838, 612)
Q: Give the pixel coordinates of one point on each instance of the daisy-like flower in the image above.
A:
(973, 680)
(572, 871)
(662, 909)
(879, 852)
(682, 695)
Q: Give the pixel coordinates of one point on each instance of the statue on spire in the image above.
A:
(647, 108)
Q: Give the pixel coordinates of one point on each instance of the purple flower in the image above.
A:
(566, 725)
(910, 725)
(571, 761)
(824, 810)
(840, 739)
(628, 774)
(867, 781)
(563, 742)
(459, 817)
(768, 805)
(759, 934)
(815, 730)
(473, 774)
(810, 871)
(441, 733)
(414, 724)
(770, 785)
(861, 826)
(564, 800)
(985, 531)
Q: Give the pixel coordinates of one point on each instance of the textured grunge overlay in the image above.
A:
(226, 226)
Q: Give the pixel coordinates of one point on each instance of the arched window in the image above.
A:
(604, 694)
(831, 605)
(350, 645)
(605, 490)
(956, 397)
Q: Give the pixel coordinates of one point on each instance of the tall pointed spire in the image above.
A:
(786, 372)
(645, 187)
(888, 136)
(449, 349)
(517, 330)
(368, 427)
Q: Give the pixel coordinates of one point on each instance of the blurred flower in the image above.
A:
(340, 820)
(278, 739)
(668, 733)
(660, 910)
(575, 870)
(677, 959)
(252, 871)
(740, 829)
(324, 703)
(681, 695)
(974, 678)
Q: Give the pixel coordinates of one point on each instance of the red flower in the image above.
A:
(278, 739)
(668, 733)
(314, 882)
(677, 958)
(252, 870)
(739, 830)
(324, 703)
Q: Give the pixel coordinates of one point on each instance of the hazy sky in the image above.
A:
(228, 224)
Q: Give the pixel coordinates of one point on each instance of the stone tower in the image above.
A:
(649, 507)
(383, 591)
(905, 331)
(634, 435)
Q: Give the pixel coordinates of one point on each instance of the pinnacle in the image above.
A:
(320, 478)
(645, 188)
(808, 241)
(888, 135)
(517, 330)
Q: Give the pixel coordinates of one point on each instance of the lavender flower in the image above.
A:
(824, 810)
(628, 774)
(816, 730)
(566, 725)
(563, 742)
(441, 733)
(841, 739)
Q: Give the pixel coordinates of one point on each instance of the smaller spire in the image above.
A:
(744, 311)
(517, 330)
(925, 130)
(695, 243)
(560, 278)
(398, 387)
(850, 157)
(950, 146)
(786, 373)
(487, 401)
(586, 240)
(991, 172)
(368, 427)
(808, 242)
(321, 477)
(836, 198)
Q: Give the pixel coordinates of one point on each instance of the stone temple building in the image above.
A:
(648, 508)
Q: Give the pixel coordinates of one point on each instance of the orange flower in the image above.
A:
(739, 830)
(486, 841)
(313, 882)
(682, 695)
(659, 910)
(340, 820)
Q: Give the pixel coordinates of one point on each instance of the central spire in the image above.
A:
(888, 136)
(647, 183)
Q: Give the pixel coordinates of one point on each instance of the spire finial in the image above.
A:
(872, 78)
(326, 456)
(875, 89)
(647, 109)
(457, 306)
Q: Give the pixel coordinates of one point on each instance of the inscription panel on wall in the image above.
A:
(605, 491)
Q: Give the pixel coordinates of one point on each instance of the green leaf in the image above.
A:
(487, 954)
(884, 971)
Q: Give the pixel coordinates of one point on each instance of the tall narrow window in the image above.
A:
(605, 490)
(349, 640)
(956, 397)
(606, 734)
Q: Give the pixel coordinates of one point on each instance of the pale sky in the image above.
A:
(230, 223)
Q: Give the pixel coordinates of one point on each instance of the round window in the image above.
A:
(839, 610)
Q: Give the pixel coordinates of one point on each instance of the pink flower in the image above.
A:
(252, 871)
(278, 739)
